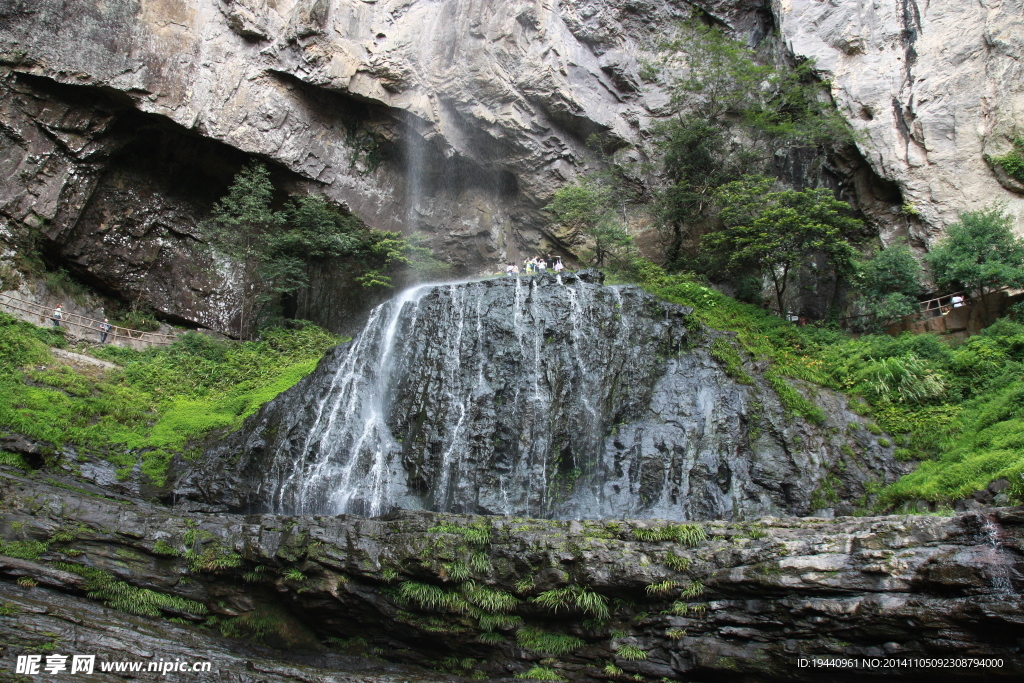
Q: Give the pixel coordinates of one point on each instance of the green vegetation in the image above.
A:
(725, 353)
(24, 550)
(774, 234)
(1013, 161)
(431, 597)
(540, 673)
(163, 400)
(121, 596)
(686, 534)
(582, 598)
(662, 588)
(280, 251)
(960, 409)
(588, 209)
(979, 254)
(890, 283)
(630, 653)
(544, 642)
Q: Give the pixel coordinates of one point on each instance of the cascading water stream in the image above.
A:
(546, 396)
(353, 456)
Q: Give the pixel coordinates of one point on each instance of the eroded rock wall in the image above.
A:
(457, 119)
(932, 88)
(729, 601)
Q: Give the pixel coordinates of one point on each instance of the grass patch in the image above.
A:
(547, 643)
(725, 353)
(959, 410)
(161, 402)
(582, 598)
(122, 596)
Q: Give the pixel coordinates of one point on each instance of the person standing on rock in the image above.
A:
(58, 314)
(509, 268)
(104, 329)
(558, 267)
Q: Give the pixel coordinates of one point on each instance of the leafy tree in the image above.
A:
(589, 207)
(979, 253)
(734, 112)
(280, 252)
(890, 283)
(775, 233)
(242, 227)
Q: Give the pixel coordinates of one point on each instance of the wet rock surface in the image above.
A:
(716, 602)
(543, 397)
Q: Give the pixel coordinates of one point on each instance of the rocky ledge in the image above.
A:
(498, 596)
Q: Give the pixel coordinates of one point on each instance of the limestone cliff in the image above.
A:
(456, 119)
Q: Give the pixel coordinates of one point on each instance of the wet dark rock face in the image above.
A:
(547, 397)
(737, 601)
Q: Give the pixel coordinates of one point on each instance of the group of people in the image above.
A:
(105, 326)
(537, 264)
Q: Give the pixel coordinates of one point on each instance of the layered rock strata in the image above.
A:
(710, 602)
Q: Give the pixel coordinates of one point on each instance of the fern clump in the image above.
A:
(675, 562)
(686, 534)
(491, 622)
(431, 597)
(544, 642)
(580, 597)
(540, 673)
(693, 590)
(489, 599)
(456, 571)
(662, 587)
(630, 653)
(122, 596)
(478, 533)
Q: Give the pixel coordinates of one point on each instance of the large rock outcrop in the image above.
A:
(545, 397)
(455, 119)
(932, 87)
(584, 600)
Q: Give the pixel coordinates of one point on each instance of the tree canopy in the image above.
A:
(890, 283)
(775, 233)
(277, 250)
(980, 253)
(588, 207)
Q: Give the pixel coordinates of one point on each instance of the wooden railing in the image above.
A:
(940, 305)
(73, 321)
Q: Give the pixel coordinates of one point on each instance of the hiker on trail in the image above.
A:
(104, 329)
(957, 301)
(558, 267)
(541, 265)
(515, 269)
(58, 313)
(509, 268)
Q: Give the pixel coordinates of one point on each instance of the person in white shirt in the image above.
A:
(957, 301)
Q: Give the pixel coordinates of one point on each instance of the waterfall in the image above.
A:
(547, 396)
(463, 396)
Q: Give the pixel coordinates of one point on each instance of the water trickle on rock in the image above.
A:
(551, 396)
